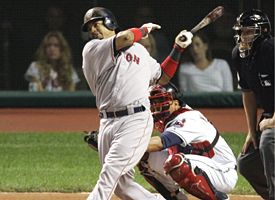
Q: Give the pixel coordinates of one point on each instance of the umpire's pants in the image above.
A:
(257, 166)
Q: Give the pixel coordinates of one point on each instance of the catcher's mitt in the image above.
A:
(91, 138)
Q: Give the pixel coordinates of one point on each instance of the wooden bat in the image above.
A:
(208, 19)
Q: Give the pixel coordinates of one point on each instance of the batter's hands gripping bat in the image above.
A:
(208, 19)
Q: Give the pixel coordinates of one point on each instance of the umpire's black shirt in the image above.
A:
(256, 73)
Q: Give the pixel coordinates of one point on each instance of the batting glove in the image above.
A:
(150, 27)
(184, 39)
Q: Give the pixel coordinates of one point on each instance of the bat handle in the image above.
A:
(183, 38)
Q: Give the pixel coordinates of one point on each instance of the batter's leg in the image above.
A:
(127, 189)
(121, 146)
(251, 167)
(267, 154)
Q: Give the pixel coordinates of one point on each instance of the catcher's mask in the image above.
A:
(160, 100)
(249, 27)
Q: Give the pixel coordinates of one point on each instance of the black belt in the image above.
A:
(121, 113)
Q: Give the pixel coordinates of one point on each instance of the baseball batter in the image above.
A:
(190, 148)
(119, 72)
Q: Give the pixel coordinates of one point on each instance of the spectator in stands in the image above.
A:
(52, 70)
(59, 19)
(204, 73)
(150, 44)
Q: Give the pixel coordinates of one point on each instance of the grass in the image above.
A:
(62, 162)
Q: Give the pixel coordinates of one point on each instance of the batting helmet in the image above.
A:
(100, 13)
(257, 23)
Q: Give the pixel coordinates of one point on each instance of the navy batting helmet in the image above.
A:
(100, 13)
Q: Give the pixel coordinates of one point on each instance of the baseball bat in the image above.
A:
(208, 19)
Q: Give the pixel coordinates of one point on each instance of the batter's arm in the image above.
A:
(170, 64)
(126, 38)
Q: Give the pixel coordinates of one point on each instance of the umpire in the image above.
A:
(253, 57)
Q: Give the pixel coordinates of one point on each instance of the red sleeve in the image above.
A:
(170, 64)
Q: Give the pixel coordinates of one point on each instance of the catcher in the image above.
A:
(189, 149)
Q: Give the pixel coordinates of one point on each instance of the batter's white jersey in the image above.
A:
(118, 81)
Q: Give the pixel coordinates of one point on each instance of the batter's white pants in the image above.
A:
(122, 143)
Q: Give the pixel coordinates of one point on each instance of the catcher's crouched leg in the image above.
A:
(91, 138)
(195, 182)
(154, 178)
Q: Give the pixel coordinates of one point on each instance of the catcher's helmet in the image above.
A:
(257, 26)
(160, 100)
(100, 13)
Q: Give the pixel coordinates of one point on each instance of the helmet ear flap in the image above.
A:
(110, 24)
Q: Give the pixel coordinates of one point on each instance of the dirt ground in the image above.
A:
(83, 196)
(80, 119)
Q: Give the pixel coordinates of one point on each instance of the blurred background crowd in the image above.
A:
(41, 41)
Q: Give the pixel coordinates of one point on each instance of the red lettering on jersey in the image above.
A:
(129, 57)
(136, 59)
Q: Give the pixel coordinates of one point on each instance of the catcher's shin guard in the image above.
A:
(196, 183)
(149, 177)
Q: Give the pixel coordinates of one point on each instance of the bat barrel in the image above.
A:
(208, 19)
